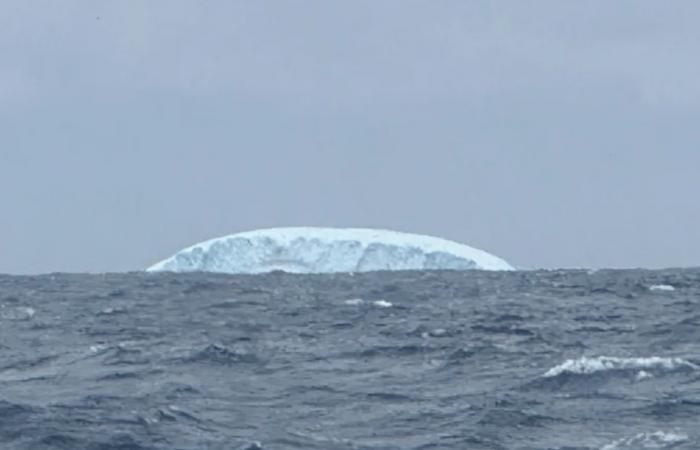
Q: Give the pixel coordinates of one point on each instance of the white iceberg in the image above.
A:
(327, 250)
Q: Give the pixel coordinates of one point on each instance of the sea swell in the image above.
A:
(388, 360)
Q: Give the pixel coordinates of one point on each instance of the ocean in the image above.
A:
(523, 360)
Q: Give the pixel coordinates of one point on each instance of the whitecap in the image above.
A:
(662, 288)
(382, 303)
(657, 439)
(17, 313)
(643, 375)
(354, 301)
(588, 365)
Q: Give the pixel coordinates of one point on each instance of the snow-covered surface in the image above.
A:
(587, 366)
(323, 250)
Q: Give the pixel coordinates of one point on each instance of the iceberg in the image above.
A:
(327, 250)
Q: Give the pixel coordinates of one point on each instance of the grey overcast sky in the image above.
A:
(551, 133)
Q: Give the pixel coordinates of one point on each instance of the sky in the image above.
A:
(552, 133)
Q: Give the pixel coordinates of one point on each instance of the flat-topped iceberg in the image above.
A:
(325, 250)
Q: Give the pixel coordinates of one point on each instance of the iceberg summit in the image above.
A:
(327, 250)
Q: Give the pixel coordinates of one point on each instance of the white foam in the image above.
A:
(324, 250)
(643, 375)
(17, 312)
(662, 287)
(382, 303)
(354, 301)
(657, 439)
(586, 365)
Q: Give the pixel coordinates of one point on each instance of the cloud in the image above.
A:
(358, 51)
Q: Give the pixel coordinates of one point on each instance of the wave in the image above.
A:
(588, 366)
(657, 439)
(662, 288)
(220, 354)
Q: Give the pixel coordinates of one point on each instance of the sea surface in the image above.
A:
(566, 360)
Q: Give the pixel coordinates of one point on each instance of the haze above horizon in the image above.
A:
(552, 134)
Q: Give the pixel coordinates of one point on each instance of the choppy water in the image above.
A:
(409, 360)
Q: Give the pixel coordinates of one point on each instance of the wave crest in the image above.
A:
(587, 365)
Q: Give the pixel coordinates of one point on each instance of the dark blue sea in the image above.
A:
(533, 360)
